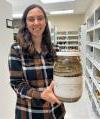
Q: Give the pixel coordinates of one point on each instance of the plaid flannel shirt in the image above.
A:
(29, 76)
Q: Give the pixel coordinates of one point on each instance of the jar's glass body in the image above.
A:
(68, 78)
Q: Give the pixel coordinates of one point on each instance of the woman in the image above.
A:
(31, 68)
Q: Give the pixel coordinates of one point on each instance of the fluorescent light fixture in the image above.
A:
(17, 15)
(62, 12)
(55, 1)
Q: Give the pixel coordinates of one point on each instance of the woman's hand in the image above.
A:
(49, 95)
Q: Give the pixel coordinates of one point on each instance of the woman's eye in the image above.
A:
(32, 19)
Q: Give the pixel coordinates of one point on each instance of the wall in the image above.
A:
(67, 22)
(94, 5)
(7, 95)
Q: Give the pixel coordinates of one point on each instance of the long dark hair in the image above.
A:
(24, 36)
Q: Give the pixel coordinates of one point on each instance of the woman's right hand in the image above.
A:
(49, 95)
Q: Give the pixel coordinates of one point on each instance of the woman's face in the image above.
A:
(36, 22)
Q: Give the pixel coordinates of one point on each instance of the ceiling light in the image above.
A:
(62, 12)
(55, 1)
(17, 15)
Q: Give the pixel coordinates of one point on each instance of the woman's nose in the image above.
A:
(36, 21)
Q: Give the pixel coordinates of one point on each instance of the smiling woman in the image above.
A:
(31, 68)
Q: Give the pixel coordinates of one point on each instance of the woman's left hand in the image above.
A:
(49, 95)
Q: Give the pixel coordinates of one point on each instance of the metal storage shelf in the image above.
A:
(93, 58)
(69, 40)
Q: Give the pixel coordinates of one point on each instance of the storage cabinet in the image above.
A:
(97, 35)
(97, 16)
(90, 36)
(93, 60)
(90, 22)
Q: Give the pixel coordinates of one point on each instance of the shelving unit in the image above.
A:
(90, 22)
(82, 39)
(67, 41)
(53, 34)
(93, 60)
